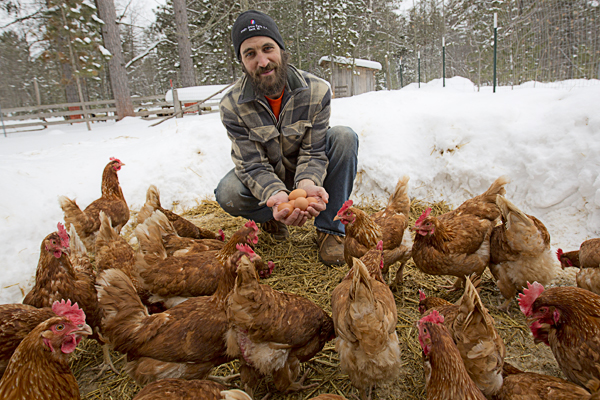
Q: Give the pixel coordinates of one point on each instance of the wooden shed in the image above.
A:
(346, 83)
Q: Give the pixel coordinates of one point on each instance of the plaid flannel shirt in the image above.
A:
(264, 148)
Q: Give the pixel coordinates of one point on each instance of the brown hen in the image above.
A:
(519, 252)
(568, 320)
(587, 259)
(173, 279)
(473, 330)
(364, 231)
(364, 314)
(181, 389)
(519, 385)
(272, 332)
(16, 321)
(446, 377)
(186, 341)
(458, 242)
(39, 368)
(176, 245)
(183, 227)
(112, 202)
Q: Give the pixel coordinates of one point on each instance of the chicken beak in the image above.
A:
(84, 330)
(336, 218)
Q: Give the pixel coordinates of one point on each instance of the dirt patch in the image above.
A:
(299, 271)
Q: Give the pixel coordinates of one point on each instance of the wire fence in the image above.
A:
(546, 41)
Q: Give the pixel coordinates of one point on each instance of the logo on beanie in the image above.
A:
(252, 22)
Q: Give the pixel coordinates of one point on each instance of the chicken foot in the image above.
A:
(297, 386)
(223, 380)
(106, 364)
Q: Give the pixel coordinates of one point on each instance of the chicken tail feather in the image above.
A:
(152, 203)
(74, 216)
(399, 201)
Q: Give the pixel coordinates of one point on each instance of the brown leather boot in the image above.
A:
(278, 230)
(331, 248)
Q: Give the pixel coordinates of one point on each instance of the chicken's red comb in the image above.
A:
(434, 316)
(251, 224)
(528, 296)
(559, 254)
(346, 206)
(380, 245)
(244, 248)
(115, 159)
(422, 295)
(64, 236)
(423, 216)
(221, 235)
(71, 311)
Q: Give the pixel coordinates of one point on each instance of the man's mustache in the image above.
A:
(261, 70)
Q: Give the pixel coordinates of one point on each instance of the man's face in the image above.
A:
(262, 61)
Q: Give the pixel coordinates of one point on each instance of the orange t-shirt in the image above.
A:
(276, 105)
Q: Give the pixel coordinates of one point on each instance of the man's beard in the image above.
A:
(272, 85)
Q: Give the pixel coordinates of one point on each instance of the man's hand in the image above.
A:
(298, 217)
(319, 193)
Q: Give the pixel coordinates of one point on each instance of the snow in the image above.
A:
(357, 61)
(453, 142)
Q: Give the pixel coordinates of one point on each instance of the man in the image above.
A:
(277, 118)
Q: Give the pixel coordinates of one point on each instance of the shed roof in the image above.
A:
(357, 61)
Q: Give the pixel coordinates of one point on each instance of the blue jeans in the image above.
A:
(342, 151)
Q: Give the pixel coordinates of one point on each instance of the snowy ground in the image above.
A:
(453, 142)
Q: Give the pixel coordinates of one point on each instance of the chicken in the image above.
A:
(364, 316)
(519, 385)
(16, 321)
(113, 251)
(568, 320)
(183, 227)
(587, 259)
(180, 389)
(364, 231)
(112, 202)
(184, 342)
(176, 245)
(458, 242)
(173, 279)
(39, 368)
(519, 252)
(272, 332)
(446, 377)
(63, 276)
(427, 303)
(479, 344)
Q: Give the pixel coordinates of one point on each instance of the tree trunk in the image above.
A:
(184, 46)
(116, 65)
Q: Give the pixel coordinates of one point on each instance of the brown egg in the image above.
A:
(311, 200)
(301, 203)
(297, 193)
(292, 203)
(286, 206)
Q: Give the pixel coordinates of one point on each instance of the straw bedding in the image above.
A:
(299, 271)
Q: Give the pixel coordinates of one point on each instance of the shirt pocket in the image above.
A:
(263, 134)
(298, 128)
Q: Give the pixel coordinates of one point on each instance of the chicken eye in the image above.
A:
(60, 327)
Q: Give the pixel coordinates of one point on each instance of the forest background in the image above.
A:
(53, 44)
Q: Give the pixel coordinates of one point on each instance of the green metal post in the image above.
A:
(443, 62)
(2, 118)
(419, 66)
(401, 85)
(495, 46)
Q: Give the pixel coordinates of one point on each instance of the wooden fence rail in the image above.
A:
(43, 116)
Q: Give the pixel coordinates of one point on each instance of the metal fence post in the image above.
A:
(419, 66)
(443, 62)
(2, 119)
(495, 46)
